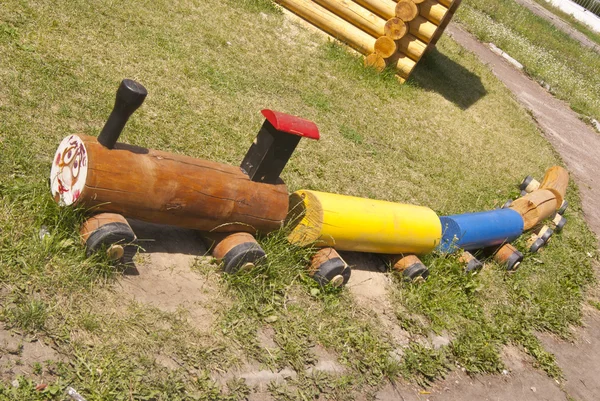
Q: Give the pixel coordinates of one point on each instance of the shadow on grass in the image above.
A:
(436, 72)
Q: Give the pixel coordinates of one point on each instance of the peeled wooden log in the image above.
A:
(433, 11)
(386, 9)
(508, 256)
(446, 3)
(471, 262)
(444, 23)
(385, 46)
(108, 230)
(376, 61)
(410, 266)
(406, 10)
(356, 15)
(556, 180)
(422, 29)
(164, 188)
(338, 28)
(411, 46)
(404, 64)
(328, 267)
(363, 225)
(535, 207)
(237, 251)
(395, 28)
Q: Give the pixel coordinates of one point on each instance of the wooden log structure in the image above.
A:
(328, 267)
(410, 266)
(433, 11)
(443, 23)
(386, 9)
(349, 223)
(411, 46)
(358, 16)
(535, 207)
(343, 30)
(422, 29)
(406, 10)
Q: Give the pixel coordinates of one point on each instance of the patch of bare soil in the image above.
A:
(19, 356)
(163, 274)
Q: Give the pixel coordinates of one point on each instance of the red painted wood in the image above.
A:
(291, 124)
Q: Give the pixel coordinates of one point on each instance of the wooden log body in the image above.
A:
(385, 46)
(446, 3)
(433, 11)
(358, 16)
(508, 256)
(328, 267)
(556, 180)
(164, 188)
(404, 64)
(363, 225)
(422, 29)
(376, 61)
(535, 207)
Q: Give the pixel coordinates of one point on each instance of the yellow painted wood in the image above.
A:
(358, 16)
(406, 10)
(422, 29)
(349, 223)
(433, 11)
(332, 24)
(395, 28)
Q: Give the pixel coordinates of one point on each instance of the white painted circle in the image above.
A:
(337, 281)
(115, 252)
(69, 171)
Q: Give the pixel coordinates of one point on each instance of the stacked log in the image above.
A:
(389, 33)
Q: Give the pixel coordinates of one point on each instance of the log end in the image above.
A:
(395, 28)
(69, 171)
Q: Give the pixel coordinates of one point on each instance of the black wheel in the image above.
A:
(416, 271)
(334, 271)
(243, 256)
(561, 210)
(560, 225)
(473, 265)
(537, 245)
(514, 261)
(526, 181)
(114, 237)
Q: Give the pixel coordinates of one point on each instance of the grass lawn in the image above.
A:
(452, 138)
(548, 54)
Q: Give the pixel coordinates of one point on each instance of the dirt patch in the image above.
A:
(163, 275)
(22, 356)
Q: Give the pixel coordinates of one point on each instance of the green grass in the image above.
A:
(575, 23)
(446, 139)
(547, 53)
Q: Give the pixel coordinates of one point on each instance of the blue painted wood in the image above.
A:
(473, 231)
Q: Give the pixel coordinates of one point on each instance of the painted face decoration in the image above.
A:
(69, 171)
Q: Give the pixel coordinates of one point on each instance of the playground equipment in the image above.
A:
(115, 180)
(395, 33)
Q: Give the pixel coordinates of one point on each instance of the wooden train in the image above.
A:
(230, 204)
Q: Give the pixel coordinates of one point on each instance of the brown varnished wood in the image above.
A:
(323, 255)
(167, 188)
(223, 243)
(403, 262)
(97, 221)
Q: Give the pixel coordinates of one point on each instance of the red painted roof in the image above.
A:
(291, 124)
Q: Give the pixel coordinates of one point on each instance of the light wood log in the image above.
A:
(385, 46)
(376, 61)
(446, 3)
(411, 46)
(406, 10)
(386, 9)
(556, 180)
(444, 24)
(395, 28)
(331, 24)
(535, 207)
(356, 15)
(433, 11)
(422, 29)
(167, 188)
(403, 63)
